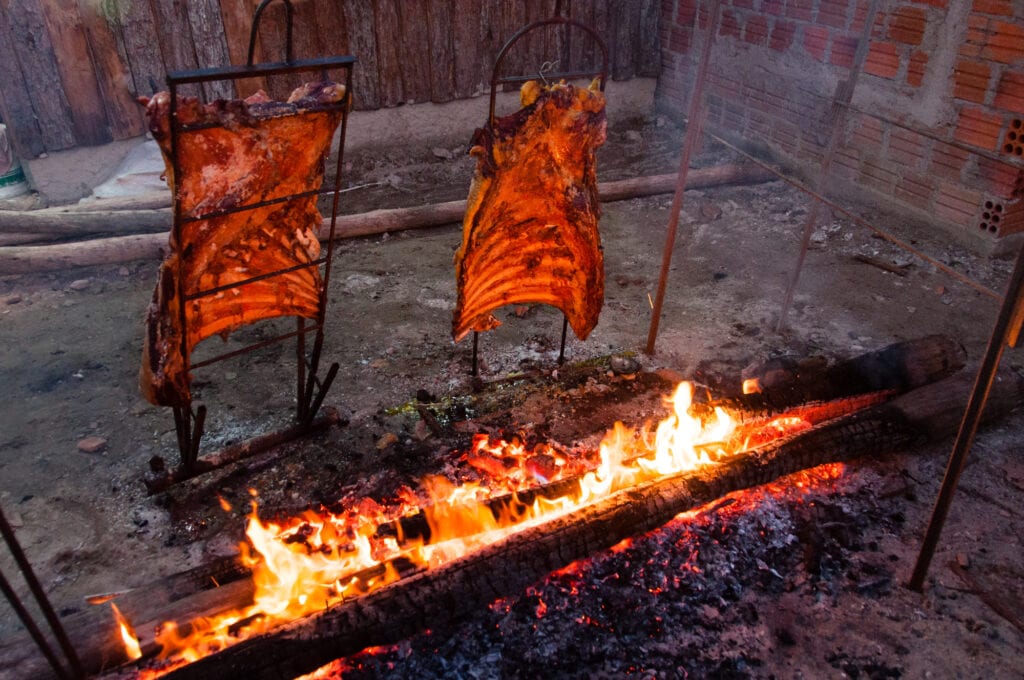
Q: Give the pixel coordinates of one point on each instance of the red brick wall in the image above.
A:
(952, 68)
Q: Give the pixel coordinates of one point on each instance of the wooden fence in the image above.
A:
(70, 70)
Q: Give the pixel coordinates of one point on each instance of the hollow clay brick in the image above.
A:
(1010, 92)
(978, 128)
(907, 25)
(970, 80)
(883, 60)
(816, 41)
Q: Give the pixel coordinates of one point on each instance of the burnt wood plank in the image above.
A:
(390, 78)
(648, 63)
(110, 60)
(34, 52)
(414, 51)
(362, 43)
(15, 100)
(77, 74)
(236, 17)
(441, 50)
(210, 44)
(145, 60)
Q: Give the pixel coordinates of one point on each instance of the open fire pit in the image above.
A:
(375, 571)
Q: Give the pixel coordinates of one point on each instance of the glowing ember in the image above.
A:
(311, 562)
(751, 386)
(131, 640)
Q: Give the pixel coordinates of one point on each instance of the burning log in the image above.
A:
(894, 369)
(183, 597)
(440, 596)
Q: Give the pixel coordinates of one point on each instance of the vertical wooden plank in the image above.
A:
(15, 101)
(272, 47)
(362, 43)
(513, 17)
(109, 62)
(335, 39)
(468, 73)
(579, 41)
(388, 34)
(601, 23)
(649, 56)
(175, 39)
(210, 44)
(441, 51)
(236, 17)
(492, 37)
(77, 77)
(414, 51)
(142, 47)
(35, 54)
(625, 25)
(332, 26)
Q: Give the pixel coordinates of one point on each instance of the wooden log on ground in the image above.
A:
(899, 367)
(63, 222)
(441, 596)
(117, 250)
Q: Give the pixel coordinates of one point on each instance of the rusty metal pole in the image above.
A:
(837, 118)
(1004, 328)
(694, 124)
(40, 595)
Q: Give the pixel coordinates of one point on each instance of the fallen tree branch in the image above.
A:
(21, 259)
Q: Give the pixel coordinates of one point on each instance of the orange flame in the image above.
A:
(318, 559)
(751, 386)
(131, 641)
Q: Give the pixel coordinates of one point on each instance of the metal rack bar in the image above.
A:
(44, 605)
(837, 117)
(695, 123)
(310, 390)
(497, 80)
(1004, 327)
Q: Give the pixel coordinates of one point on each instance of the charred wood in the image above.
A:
(440, 596)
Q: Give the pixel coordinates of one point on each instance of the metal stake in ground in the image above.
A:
(693, 131)
(1006, 327)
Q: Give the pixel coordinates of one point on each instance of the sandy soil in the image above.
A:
(73, 341)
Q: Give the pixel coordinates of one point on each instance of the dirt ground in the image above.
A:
(72, 344)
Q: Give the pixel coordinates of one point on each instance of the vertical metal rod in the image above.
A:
(300, 365)
(565, 328)
(690, 142)
(40, 595)
(969, 424)
(476, 342)
(32, 628)
(837, 118)
(197, 434)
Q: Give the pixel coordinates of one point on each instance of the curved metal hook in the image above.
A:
(556, 20)
(255, 29)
